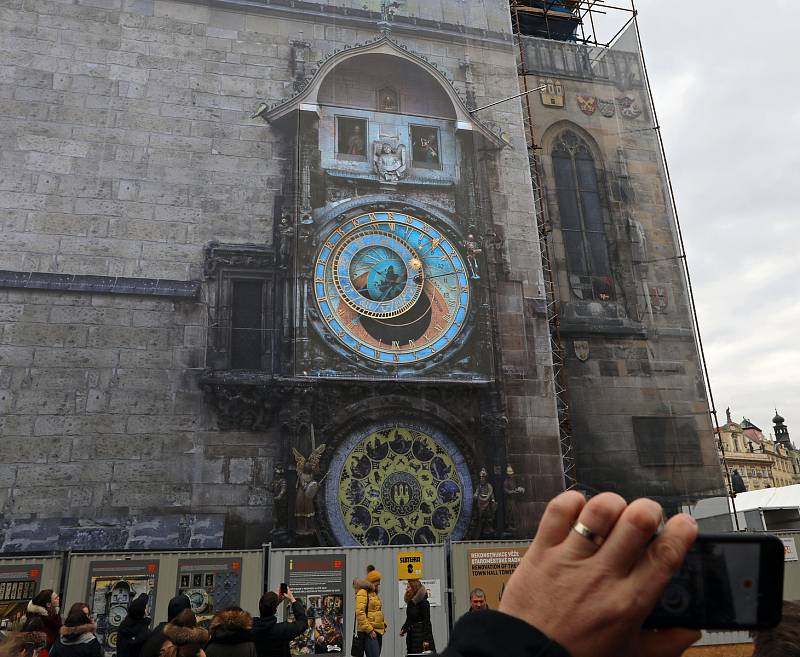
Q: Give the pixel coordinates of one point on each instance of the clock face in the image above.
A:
(398, 484)
(391, 288)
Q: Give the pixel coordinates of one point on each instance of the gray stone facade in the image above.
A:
(638, 409)
(128, 148)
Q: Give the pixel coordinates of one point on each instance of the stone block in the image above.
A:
(56, 425)
(27, 334)
(62, 473)
(220, 495)
(37, 402)
(240, 471)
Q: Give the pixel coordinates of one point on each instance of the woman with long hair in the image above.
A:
(45, 605)
(184, 637)
(417, 629)
(230, 635)
(77, 637)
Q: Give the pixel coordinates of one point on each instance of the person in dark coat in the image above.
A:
(77, 637)
(417, 629)
(183, 637)
(153, 645)
(35, 636)
(230, 634)
(46, 606)
(134, 630)
(271, 637)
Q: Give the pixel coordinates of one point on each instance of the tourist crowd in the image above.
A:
(583, 589)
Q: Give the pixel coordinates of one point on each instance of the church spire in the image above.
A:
(781, 431)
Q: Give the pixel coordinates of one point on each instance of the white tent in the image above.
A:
(765, 509)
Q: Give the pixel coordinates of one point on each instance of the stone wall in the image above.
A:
(127, 145)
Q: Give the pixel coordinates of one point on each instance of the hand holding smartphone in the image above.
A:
(727, 582)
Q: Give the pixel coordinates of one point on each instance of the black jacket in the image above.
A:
(77, 641)
(418, 623)
(132, 635)
(272, 638)
(152, 646)
(488, 633)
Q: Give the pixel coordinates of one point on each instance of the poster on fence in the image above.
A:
(318, 579)
(490, 568)
(432, 586)
(210, 584)
(112, 587)
(19, 583)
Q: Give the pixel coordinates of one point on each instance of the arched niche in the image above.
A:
(383, 82)
(397, 58)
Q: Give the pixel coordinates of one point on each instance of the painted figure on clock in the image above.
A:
(391, 288)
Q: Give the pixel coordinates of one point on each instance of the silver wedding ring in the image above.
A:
(584, 531)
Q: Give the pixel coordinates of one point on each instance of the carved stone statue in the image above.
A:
(473, 248)
(638, 240)
(389, 160)
(279, 489)
(486, 505)
(286, 232)
(513, 493)
(307, 487)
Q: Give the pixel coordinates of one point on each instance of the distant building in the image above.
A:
(755, 461)
(781, 432)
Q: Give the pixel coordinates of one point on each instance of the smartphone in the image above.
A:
(727, 582)
(283, 588)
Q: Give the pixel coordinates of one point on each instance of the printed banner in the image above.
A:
(19, 583)
(409, 565)
(112, 587)
(489, 569)
(789, 549)
(432, 586)
(319, 581)
(211, 584)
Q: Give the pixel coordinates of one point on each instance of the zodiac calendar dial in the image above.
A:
(391, 287)
(399, 486)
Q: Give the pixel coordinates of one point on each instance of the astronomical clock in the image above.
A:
(391, 289)
(385, 301)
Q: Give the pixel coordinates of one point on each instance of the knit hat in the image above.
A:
(373, 576)
(177, 605)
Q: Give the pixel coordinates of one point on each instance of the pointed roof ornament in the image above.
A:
(388, 10)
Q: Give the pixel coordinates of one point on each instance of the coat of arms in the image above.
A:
(606, 107)
(581, 350)
(553, 92)
(629, 107)
(587, 104)
(659, 300)
(389, 158)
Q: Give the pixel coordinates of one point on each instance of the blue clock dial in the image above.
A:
(391, 288)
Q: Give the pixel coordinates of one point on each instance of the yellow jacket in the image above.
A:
(369, 616)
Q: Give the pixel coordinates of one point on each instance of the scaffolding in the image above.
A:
(591, 22)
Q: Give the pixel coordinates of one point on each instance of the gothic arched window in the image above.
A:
(581, 212)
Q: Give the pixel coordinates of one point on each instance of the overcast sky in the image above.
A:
(727, 93)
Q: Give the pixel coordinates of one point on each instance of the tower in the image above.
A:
(781, 431)
(633, 413)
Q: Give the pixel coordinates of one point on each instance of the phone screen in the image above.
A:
(726, 582)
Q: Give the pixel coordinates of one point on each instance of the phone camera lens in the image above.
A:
(676, 599)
